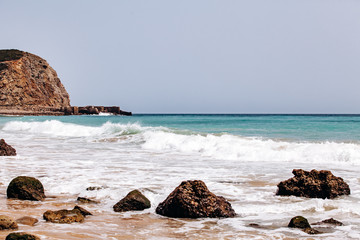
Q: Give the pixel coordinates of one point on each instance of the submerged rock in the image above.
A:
(64, 216)
(27, 221)
(26, 188)
(6, 149)
(192, 199)
(21, 236)
(314, 184)
(86, 200)
(133, 201)
(7, 223)
(329, 221)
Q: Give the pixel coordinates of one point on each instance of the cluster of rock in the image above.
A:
(191, 199)
(314, 184)
(30, 86)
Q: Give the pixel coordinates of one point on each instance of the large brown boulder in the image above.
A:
(192, 199)
(7, 223)
(29, 83)
(134, 201)
(314, 184)
(26, 188)
(64, 216)
(21, 236)
(6, 149)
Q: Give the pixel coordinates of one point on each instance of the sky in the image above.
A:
(202, 56)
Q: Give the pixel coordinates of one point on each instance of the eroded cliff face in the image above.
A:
(27, 82)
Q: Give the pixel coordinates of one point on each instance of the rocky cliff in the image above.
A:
(28, 83)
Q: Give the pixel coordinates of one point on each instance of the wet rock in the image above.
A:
(64, 216)
(134, 201)
(314, 184)
(311, 231)
(83, 211)
(93, 188)
(329, 221)
(7, 223)
(299, 222)
(86, 200)
(6, 149)
(192, 199)
(27, 221)
(26, 188)
(21, 236)
(302, 223)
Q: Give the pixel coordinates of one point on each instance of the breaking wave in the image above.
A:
(218, 146)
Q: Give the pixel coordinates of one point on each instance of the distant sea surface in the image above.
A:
(239, 156)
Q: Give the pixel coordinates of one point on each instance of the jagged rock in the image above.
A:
(21, 236)
(83, 211)
(299, 222)
(6, 149)
(29, 83)
(27, 221)
(134, 201)
(192, 199)
(7, 223)
(314, 184)
(329, 221)
(64, 216)
(26, 188)
(86, 200)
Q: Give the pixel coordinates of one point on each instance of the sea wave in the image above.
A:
(217, 146)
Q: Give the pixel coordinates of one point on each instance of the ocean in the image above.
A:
(241, 157)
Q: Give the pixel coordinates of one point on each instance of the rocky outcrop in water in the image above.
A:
(30, 221)
(26, 188)
(314, 184)
(21, 236)
(63, 216)
(192, 199)
(7, 223)
(133, 201)
(6, 149)
(29, 83)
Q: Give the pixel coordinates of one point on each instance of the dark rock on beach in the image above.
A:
(83, 211)
(64, 216)
(299, 222)
(21, 236)
(30, 221)
(86, 200)
(26, 188)
(7, 223)
(133, 201)
(6, 149)
(302, 223)
(192, 199)
(314, 184)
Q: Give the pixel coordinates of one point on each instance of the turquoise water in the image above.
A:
(338, 128)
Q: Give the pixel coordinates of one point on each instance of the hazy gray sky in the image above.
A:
(196, 56)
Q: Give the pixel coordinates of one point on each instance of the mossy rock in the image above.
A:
(21, 236)
(63, 216)
(10, 54)
(26, 188)
(134, 201)
(299, 222)
(7, 223)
